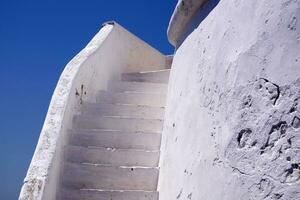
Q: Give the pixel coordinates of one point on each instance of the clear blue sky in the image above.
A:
(37, 39)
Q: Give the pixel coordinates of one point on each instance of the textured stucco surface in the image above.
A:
(232, 127)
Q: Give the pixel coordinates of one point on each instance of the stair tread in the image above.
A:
(95, 130)
(100, 104)
(127, 111)
(123, 86)
(92, 194)
(103, 166)
(161, 76)
(116, 139)
(126, 104)
(132, 92)
(119, 123)
(111, 156)
(118, 117)
(112, 149)
(139, 98)
(85, 176)
(163, 71)
(140, 83)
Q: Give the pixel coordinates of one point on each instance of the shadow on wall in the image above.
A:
(198, 17)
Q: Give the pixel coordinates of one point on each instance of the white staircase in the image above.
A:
(113, 152)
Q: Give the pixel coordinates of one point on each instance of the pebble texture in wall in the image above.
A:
(232, 129)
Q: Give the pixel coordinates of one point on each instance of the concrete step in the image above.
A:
(114, 157)
(150, 99)
(82, 176)
(125, 110)
(161, 76)
(71, 194)
(116, 139)
(125, 86)
(118, 123)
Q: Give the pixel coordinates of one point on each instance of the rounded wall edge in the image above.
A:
(182, 15)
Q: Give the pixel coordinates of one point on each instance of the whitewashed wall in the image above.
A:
(232, 128)
(183, 14)
(112, 51)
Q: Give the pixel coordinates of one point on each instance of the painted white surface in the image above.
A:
(105, 177)
(130, 86)
(182, 15)
(124, 110)
(113, 157)
(104, 195)
(232, 118)
(114, 152)
(112, 51)
(117, 139)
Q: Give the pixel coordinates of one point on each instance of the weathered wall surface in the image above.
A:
(232, 128)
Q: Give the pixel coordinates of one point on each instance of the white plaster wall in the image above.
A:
(112, 51)
(232, 129)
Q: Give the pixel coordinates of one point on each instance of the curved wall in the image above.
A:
(182, 15)
(112, 51)
(232, 128)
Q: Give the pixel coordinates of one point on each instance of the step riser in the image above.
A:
(145, 125)
(107, 195)
(153, 77)
(144, 112)
(122, 86)
(147, 141)
(132, 98)
(109, 157)
(109, 178)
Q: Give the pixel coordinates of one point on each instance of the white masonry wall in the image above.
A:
(232, 129)
(112, 51)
